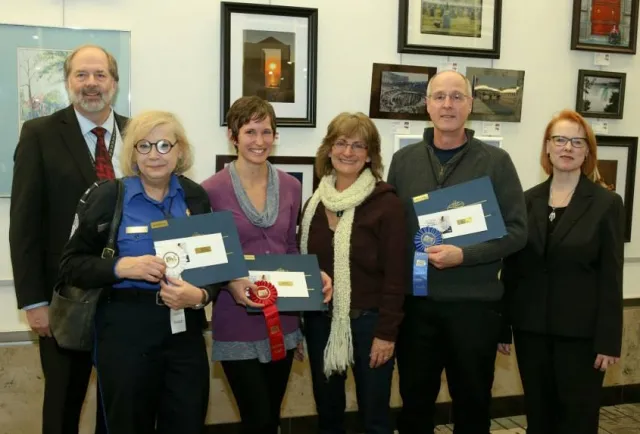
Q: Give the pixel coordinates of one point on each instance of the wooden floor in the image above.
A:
(619, 419)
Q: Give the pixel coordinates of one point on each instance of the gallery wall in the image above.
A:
(175, 65)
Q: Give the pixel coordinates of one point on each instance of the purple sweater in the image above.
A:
(231, 322)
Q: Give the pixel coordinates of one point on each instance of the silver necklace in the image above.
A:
(552, 214)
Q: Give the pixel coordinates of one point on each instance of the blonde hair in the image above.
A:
(140, 126)
(350, 125)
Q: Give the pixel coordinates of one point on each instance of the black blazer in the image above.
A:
(81, 264)
(575, 288)
(52, 169)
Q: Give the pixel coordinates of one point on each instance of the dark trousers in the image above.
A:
(152, 381)
(462, 339)
(562, 389)
(66, 375)
(259, 389)
(373, 385)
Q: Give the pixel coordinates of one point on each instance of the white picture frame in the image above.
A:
(491, 140)
(402, 140)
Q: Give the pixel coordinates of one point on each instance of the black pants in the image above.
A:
(561, 387)
(259, 389)
(373, 386)
(66, 375)
(148, 375)
(460, 337)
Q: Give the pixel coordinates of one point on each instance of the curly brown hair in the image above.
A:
(350, 125)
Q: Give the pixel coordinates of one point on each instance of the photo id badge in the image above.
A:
(178, 321)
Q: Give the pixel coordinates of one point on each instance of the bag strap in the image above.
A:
(109, 250)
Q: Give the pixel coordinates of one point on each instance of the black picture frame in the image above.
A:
(291, 109)
(417, 91)
(591, 30)
(458, 45)
(614, 143)
(497, 94)
(607, 78)
(295, 166)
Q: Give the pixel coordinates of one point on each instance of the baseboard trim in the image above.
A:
(505, 406)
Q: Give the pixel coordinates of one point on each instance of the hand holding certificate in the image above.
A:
(297, 279)
(202, 249)
(465, 214)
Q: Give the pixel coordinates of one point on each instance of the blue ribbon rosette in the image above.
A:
(425, 237)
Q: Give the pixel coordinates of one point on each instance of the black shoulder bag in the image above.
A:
(72, 309)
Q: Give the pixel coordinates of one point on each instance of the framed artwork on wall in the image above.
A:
(600, 94)
(302, 168)
(32, 78)
(399, 91)
(617, 166)
(402, 140)
(605, 26)
(491, 140)
(271, 52)
(467, 28)
(497, 94)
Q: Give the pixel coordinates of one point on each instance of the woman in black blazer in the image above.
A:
(563, 291)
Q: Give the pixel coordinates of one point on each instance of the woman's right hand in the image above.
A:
(148, 267)
(238, 290)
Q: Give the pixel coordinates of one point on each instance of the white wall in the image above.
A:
(175, 66)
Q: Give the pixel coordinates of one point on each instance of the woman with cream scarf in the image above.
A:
(354, 223)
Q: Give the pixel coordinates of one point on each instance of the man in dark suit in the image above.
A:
(57, 158)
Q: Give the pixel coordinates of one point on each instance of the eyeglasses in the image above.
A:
(576, 142)
(441, 97)
(341, 145)
(162, 146)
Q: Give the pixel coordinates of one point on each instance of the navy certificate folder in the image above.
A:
(302, 263)
(189, 232)
(446, 203)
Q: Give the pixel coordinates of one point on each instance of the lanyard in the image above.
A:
(112, 142)
(167, 211)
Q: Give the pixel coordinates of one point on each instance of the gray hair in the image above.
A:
(466, 80)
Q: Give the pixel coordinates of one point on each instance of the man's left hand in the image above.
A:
(444, 256)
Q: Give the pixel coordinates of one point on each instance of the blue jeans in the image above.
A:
(373, 386)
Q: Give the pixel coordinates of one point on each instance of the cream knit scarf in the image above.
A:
(338, 354)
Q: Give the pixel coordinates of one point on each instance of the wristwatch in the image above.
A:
(203, 300)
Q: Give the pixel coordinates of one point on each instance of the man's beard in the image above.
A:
(91, 106)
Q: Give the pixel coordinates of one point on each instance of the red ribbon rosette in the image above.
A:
(267, 294)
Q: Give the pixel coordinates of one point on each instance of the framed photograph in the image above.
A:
(32, 78)
(467, 28)
(271, 52)
(399, 91)
(491, 140)
(302, 168)
(617, 165)
(402, 140)
(497, 94)
(605, 26)
(600, 94)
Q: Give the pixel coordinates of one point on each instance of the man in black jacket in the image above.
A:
(57, 158)
(457, 326)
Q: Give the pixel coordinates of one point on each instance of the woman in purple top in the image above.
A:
(265, 203)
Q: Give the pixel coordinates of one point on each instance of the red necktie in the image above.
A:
(104, 168)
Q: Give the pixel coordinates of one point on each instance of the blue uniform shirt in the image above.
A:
(139, 210)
